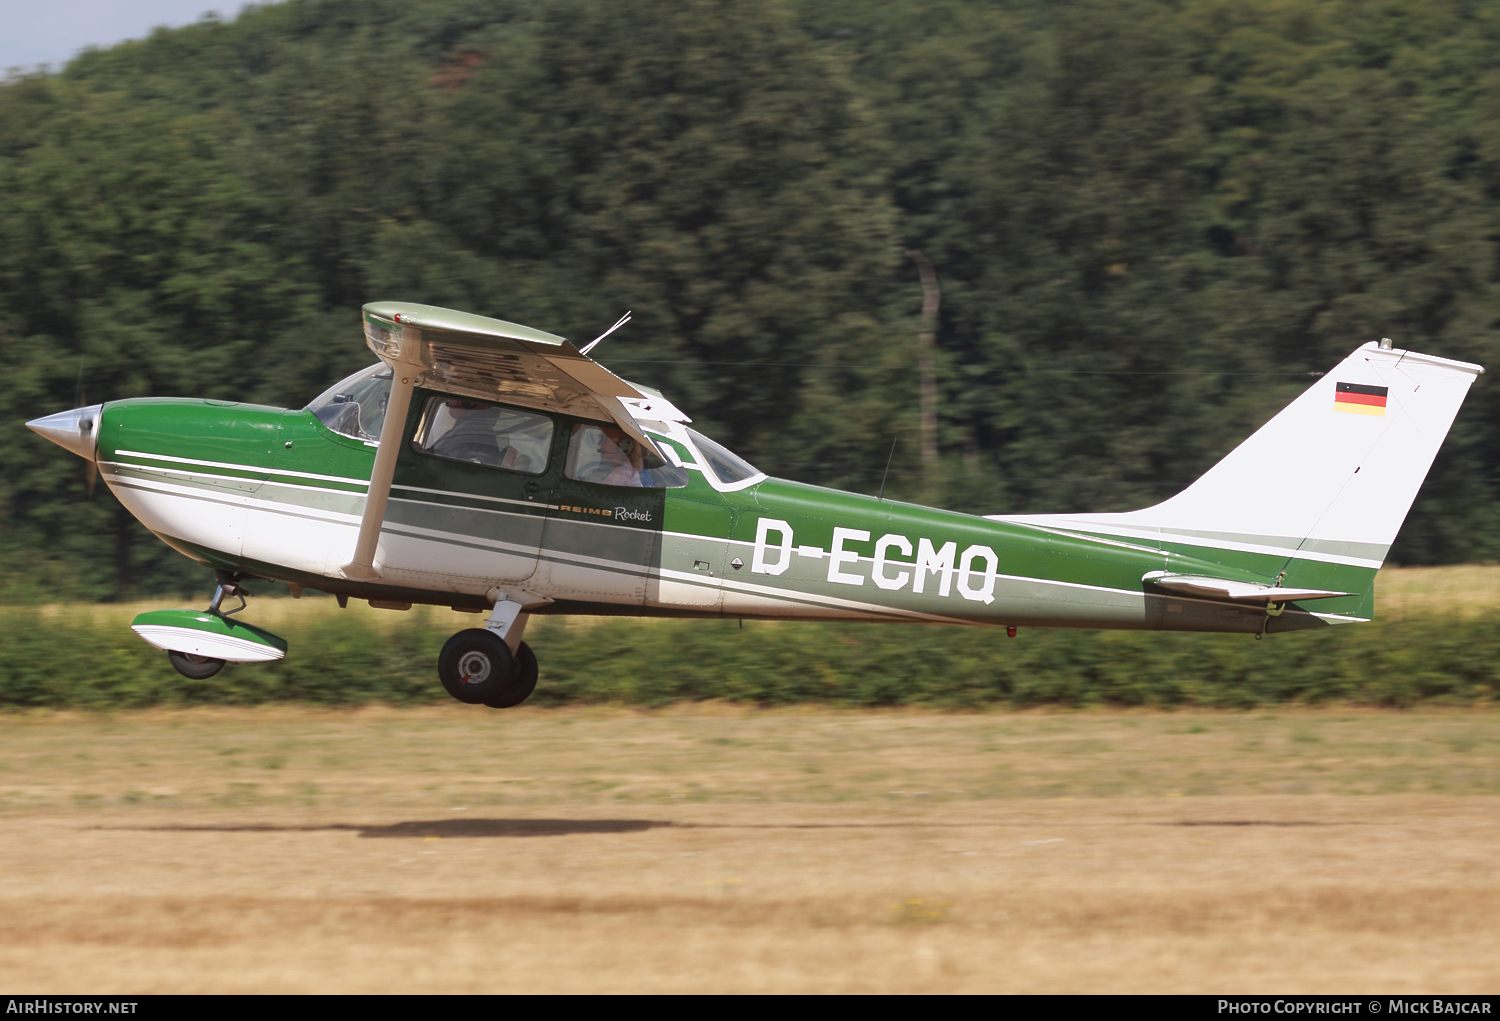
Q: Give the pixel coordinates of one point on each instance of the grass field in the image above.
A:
(718, 848)
(1463, 590)
(714, 846)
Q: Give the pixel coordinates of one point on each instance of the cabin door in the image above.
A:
(471, 491)
(606, 517)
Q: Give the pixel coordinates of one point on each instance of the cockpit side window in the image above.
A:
(465, 430)
(355, 407)
(607, 456)
(727, 466)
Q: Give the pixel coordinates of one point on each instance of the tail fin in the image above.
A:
(1330, 478)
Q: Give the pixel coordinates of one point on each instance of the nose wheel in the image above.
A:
(197, 668)
(477, 667)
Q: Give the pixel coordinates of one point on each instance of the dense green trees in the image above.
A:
(1150, 221)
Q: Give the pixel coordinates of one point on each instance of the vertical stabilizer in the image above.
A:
(1330, 478)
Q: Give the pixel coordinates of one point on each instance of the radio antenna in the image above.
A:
(888, 466)
(590, 345)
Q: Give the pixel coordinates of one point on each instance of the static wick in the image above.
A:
(590, 345)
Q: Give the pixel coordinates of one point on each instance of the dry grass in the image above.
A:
(1464, 590)
(720, 849)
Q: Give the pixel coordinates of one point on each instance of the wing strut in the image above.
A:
(362, 567)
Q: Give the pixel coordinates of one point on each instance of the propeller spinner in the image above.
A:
(77, 431)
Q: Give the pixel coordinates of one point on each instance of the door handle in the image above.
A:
(532, 490)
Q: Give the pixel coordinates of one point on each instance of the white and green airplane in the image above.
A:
(497, 469)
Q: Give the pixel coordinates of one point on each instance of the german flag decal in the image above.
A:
(1358, 399)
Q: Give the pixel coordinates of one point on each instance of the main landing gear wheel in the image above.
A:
(476, 666)
(523, 685)
(197, 668)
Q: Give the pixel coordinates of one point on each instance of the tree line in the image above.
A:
(1151, 224)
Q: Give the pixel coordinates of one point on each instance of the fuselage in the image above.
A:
(278, 494)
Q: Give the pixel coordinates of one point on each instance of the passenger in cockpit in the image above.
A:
(607, 455)
(623, 457)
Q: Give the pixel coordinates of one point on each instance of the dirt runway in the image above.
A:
(719, 850)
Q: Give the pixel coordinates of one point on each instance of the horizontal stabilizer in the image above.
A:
(1236, 591)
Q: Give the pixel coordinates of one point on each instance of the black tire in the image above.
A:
(475, 666)
(197, 668)
(523, 685)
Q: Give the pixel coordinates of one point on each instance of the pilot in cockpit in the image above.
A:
(470, 436)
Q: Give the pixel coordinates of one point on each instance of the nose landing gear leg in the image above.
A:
(228, 586)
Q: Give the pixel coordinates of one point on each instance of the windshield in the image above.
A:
(356, 406)
(727, 466)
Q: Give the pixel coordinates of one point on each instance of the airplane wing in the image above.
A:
(490, 360)
(1235, 591)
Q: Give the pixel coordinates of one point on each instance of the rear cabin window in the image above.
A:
(465, 430)
(605, 455)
